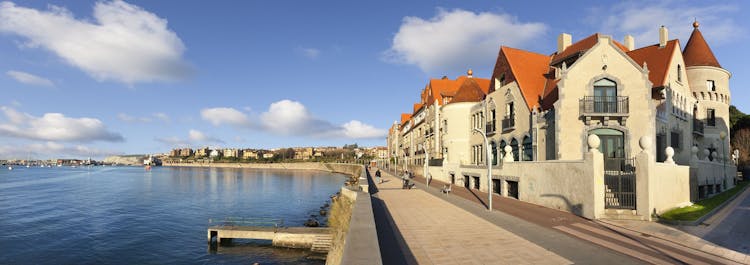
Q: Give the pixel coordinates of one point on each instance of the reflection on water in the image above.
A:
(131, 216)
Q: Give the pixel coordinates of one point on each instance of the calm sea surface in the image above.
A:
(126, 215)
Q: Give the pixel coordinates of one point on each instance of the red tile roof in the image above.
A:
(404, 118)
(580, 47)
(529, 70)
(697, 51)
(470, 91)
(657, 59)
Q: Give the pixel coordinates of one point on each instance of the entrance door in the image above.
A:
(453, 178)
(612, 147)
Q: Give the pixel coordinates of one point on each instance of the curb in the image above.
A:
(707, 215)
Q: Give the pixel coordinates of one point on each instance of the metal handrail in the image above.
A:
(509, 122)
(597, 104)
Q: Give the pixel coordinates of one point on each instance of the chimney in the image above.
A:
(563, 41)
(629, 42)
(663, 36)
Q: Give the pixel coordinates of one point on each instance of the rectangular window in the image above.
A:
(675, 140)
(711, 85)
(710, 117)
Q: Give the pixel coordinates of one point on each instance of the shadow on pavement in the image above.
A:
(393, 248)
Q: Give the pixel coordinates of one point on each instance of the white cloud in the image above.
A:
(29, 79)
(51, 149)
(357, 129)
(162, 116)
(310, 53)
(194, 137)
(173, 141)
(288, 117)
(132, 119)
(642, 19)
(230, 116)
(127, 118)
(455, 40)
(122, 42)
(198, 136)
(54, 127)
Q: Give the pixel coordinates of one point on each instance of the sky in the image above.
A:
(92, 79)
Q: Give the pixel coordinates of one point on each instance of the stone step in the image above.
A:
(622, 214)
(322, 244)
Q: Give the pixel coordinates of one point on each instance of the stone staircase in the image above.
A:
(618, 214)
(609, 197)
(322, 243)
(622, 214)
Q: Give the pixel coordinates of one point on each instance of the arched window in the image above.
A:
(528, 153)
(502, 148)
(514, 146)
(494, 153)
(605, 96)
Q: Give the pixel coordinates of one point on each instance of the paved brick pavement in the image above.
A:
(437, 232)
(645, 247)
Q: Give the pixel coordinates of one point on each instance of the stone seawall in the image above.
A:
(351, 220)
(294, 166)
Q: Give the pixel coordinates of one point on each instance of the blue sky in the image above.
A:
(97, 78)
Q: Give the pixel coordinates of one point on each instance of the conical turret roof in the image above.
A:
(697, 52)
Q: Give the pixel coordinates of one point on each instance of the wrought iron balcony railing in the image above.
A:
(509, 122)
(490, 128)
(602, 106)
(698, 126)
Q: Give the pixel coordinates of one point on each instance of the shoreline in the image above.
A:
(291, 166)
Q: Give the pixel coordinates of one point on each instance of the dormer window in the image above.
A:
(711, 85)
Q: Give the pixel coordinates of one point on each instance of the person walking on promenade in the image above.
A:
(405, 180)
(377, 177)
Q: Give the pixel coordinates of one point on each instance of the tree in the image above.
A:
(734, 115)
(741, 141)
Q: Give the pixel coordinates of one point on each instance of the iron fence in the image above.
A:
(619, 183)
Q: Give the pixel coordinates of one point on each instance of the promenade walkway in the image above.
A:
(609, 237)
(437, 232)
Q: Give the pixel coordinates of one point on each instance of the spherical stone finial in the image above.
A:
(722, 135)
(694, 150)
(593, 142)
(696, 24)
(714, 155)
(645, 142)
(508, 154)
(470, 72)
(670, 153)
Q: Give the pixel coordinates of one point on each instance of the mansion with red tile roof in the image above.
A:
(659, 101)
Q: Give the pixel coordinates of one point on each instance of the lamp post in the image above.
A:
(723, 135)
(489, 158)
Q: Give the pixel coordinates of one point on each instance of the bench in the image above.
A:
(446, 189)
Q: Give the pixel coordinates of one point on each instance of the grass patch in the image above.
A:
(701, 208)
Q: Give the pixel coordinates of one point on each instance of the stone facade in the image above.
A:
(540, 108)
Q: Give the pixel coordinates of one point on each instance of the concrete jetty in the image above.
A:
(317, 239)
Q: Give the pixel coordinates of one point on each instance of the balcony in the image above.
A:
(698, 126)
(490, 128)
(509, 122)
(604, 107)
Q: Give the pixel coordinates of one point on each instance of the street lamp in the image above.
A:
(723, 135)
(489, 155)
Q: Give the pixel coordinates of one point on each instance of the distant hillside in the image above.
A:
(131, 160)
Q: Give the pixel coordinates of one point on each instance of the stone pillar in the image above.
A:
(594, 208)
(644, 163)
